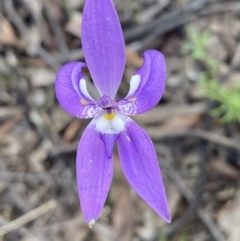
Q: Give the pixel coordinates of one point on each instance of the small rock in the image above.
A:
(36, 159)
(174, 80)
(74, 24)
(60, 118)
(11, 59)
(38, 98)
(41, 77)
(73, 4)
(36, 118)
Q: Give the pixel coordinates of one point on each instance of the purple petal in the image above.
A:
(94, 174)
(103, 45)
(140, 166)
(72, 94)
(147, 85)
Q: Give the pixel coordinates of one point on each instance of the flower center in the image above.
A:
(106, 102)
(109, 116)
(109, 106)
(110, 122)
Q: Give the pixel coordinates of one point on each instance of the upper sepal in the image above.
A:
(147, 85)
(103, 45)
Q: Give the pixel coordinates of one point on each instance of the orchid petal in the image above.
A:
(72, 93)
(147, 85)
(94, 174)
(140, 167)
(103, 45)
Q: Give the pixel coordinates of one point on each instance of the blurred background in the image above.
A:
(195, 127)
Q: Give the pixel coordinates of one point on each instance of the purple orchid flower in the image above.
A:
(103, 46)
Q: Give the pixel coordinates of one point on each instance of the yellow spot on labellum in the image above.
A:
(90, 224)
(133, 99)
(83, 102)
(109, 116)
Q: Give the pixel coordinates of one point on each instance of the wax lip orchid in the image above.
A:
(103, 47)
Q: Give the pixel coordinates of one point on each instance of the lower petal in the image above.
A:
(140, 166)
(94, 174)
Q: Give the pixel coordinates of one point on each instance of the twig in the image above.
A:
(158, 136)
(162, 113)
(37, 178)
(12, 194)
(203, 155)
(214, 230)
(200, 134)
(22, 230)
(32, 48)
(54, 228)
(168, 21)
(73, 55)
(150, 13)
(60, 38)
(221, 8)
(106, 232)
(6, 112)
(180, 184)
(64, 149)
(35, 213)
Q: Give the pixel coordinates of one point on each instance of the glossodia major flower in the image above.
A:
(103, 47)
